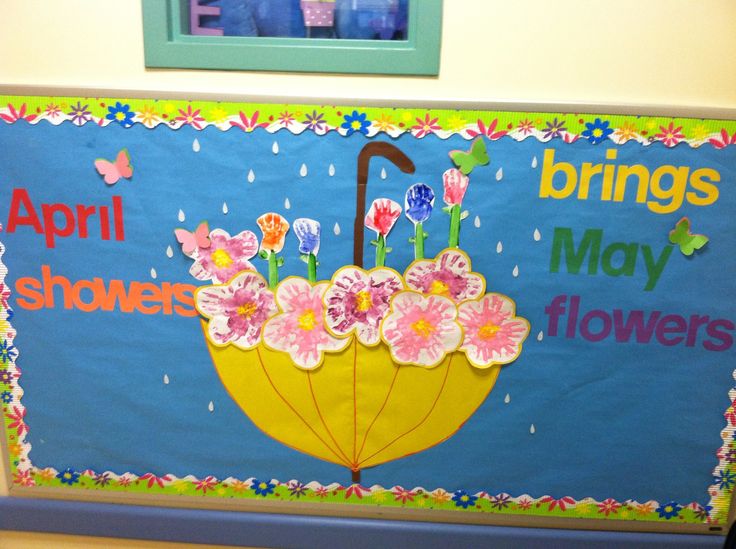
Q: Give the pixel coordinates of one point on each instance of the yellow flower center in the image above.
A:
(488, 331)
(423, 328)
(247, 309)
(222, 259)
(119, 115)
(307, 321)
(438, 288)
(363, 301)
(597, 132)
(356, 125)
(263, 485)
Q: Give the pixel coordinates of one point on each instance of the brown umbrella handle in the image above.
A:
(375, 148)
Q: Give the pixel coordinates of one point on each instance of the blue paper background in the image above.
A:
(612, 420)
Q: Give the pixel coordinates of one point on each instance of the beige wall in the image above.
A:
(653, 53)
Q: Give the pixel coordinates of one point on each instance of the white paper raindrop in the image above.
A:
(507, 398)
(251, 176)
(182, 217)
(532, 429)
(169, 252)
(499, 174)
(211, 406)
(154, 274)
(166, 379)
(499, 247)
(534, 162)
(476, 222)
(336, 229)
(287, 204)
(195, 145)
(384, 175)
(537, 235)
(331, 171)
(515, 272)
(275, 147)
(303, 170)
(225, 208)
(540, 336)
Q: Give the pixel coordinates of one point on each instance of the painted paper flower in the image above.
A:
(236, 310)
(121, 114)
(419, 202)
(421, 330)
(448, 275)
(357, 300)
(493, 335)
(308, 233)
(274, 229)
(356, 122)
(299, 329)
(670, 135)
(226, 256)
(597, 132)
(382, 215)
(455, 183)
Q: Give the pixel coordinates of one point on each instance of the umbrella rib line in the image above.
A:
(322, 419)
(388, 395)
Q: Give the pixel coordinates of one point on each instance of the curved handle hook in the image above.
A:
(376, 148)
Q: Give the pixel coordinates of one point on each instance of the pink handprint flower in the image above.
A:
(493, 334)
(448, 275)
(236, 310)
(420, 329)
(226, 256)
(455, 184)
(357, 301)
(299, 329)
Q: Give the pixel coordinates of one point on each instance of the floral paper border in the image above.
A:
(369, 122)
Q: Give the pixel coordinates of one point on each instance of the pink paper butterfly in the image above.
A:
(113, 171)
(192, 241)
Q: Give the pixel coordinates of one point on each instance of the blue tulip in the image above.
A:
(419, 202)
(307, 231)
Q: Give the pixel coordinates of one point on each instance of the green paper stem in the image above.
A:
(454, 240)
(381, 251)
(312, 268)
(418, 241)
(273, 270)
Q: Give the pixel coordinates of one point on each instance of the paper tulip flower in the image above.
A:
(418, 206)
(456, 184)
(274, 229)
(308, 233)
(381, 218)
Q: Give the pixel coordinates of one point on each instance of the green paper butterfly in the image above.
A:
(687, 241)
(476, 156)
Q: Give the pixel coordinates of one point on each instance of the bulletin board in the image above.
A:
(460, 316)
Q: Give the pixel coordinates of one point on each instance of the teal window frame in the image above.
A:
(168, 44)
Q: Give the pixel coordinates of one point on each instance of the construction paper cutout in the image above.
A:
(191, 242)
(225, 257)
(113, 171)
(381, 218)
(492, 333)
(418, 204)
(687, 241)
(298, 329)
(308, 232)
(448, 275)
(468, 160)
(455, 184)
(421, 330)
(274, 228)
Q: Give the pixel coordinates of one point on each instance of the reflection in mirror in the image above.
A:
(344, 19)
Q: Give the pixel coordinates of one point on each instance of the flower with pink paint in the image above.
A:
(456, 184)
(236, 310)
(421, 330)
(299, 329)
(448, 275)
(226, 256)
(493, 334)
(358, 300)
(382, 215)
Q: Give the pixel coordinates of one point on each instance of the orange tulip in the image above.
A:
(274, 229)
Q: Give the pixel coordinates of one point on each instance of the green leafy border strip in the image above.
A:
(369, 122)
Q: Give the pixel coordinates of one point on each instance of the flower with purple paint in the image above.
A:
(316, 121)
(554, 129)
(419, 202)
(225, 257)
(448, 275)
(308, 233)
(79, 113)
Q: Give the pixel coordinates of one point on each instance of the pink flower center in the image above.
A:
(363, 301)
(488, 331)
(222, 259)
(423, 328)
(247, 309)
(307, 321)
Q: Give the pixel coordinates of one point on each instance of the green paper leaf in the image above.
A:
(447, 210)
(389, 250)
(412, 240)
(304, 258)
(465, 214)
(280, 262)
(263, 254)
(466, 161)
